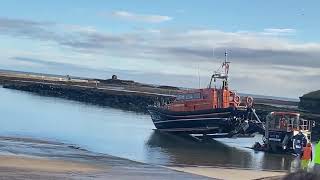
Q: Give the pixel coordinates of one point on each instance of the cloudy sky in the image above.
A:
(274, 46)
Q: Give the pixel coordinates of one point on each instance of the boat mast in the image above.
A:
(225, 63)
(226, 70)
(222, 75)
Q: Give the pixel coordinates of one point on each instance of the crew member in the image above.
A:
(299, 142)
(283, 124)
(306, 157)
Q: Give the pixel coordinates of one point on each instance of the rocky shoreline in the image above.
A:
(125, 101)
(113, 94)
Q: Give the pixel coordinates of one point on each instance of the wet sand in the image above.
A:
(231, 174)
(20, 167)
(47, 165)
(24, 158)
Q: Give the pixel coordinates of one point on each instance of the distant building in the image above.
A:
(114, 77)
(68, 77)
(114, 80)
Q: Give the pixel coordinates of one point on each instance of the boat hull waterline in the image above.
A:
(221, 120)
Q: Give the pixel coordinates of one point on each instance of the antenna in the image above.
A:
(225, 64)
(199, 76)
(225, 55)
(225, 60)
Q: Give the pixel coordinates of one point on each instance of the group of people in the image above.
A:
(304, 150)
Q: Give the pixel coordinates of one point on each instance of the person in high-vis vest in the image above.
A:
(306, 157)
(316, 159)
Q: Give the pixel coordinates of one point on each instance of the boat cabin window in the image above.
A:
(190, 96)
(196, 96)
(180, 97)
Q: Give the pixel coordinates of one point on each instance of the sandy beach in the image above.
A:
(24, 158)
(20, 167)
(47, 165)
(231, 173)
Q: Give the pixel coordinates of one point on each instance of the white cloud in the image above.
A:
(254, 55)
(148, 18)
(164, 45)
(76, 28)
(279, 31)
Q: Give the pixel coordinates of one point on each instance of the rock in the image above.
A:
(122, 100)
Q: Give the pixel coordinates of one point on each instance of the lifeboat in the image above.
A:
(208, 110)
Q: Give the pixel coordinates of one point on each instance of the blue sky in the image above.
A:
(270, 43)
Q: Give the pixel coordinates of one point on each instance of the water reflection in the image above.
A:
(182, 150)
(278, 162)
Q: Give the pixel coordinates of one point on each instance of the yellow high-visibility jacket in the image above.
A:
(317, 154)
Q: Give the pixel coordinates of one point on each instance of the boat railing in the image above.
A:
(305, 125)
